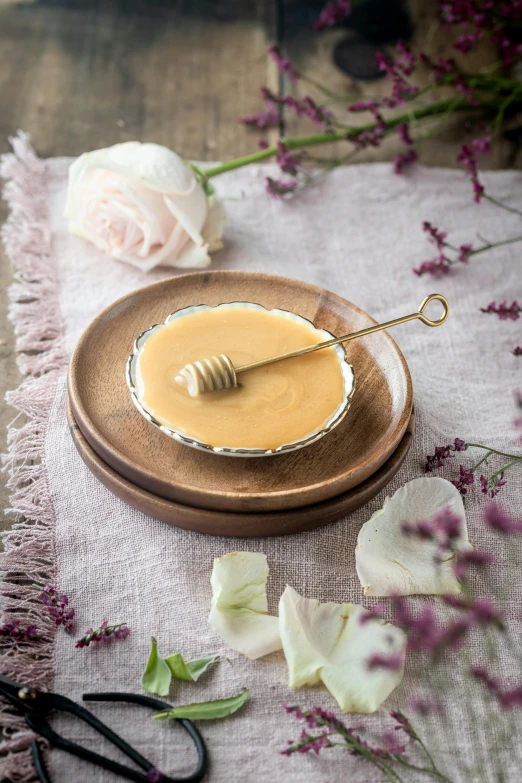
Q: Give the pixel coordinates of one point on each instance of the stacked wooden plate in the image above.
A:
(232, 496)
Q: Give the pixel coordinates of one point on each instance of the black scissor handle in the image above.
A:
(38, 722)
(157, 704)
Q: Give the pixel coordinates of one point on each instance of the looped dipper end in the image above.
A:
(218, 372)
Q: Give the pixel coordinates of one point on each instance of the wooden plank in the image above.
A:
(82, 75)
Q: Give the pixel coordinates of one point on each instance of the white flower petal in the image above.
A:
(239, 605)
(190, 257)
(190, 211)
(329, 643)
(389, 562)
(152, 165)
(212, 231)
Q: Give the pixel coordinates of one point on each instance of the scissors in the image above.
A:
(36, 706)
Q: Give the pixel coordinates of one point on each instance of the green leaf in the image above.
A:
(192, 670)
(157, 675)
(206, 710)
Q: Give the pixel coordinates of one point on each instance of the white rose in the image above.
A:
(142, 204)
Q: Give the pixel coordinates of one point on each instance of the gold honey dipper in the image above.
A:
(218, 372)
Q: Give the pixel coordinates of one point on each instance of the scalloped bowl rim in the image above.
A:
(335, 419)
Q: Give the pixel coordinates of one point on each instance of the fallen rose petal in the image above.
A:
(239, 604)
(390, 562)
(331, 643)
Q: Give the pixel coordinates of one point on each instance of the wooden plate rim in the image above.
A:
(104, 447)
(204, 521)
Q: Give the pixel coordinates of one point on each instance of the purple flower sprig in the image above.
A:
(333, 12)
(14, 632)
(58, 606)
(103, 634)
(283, 63)
(324, 730)
(442, 453)
(155, 775)
(280, 188)
(489, 485)
(503, 310)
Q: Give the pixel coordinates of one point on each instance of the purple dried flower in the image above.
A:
(438, 267)
(58, 606)
(280, 188)
(14, 631)
(392, 745)
(333, 12)
(103, 634)
(504, 312)
(497, 519)
(365, 105)
(154, 775)
(404, 134)
(445, 527)
(512, 698)
(471, 557)
(481, 145)
(396, 70)
(269, 118)
(283, 63)
(443, 452)
(466, 478)
(405, 61)
(437, 460)
(437, 237)
(392, 662)
(517, 350)
(464, 253)
(441, 67)
(289, 162)
(468, 159)
(491, 486)
(403, 161)
(468, 41)
(425, 707)
(480, 612)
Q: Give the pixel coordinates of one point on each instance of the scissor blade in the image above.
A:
(6, 681)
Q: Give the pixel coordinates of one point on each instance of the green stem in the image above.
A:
(433, 771)
(430, 110)
(479, 463)
(506, 467)
(502, 206)
(489, 245)
(494, 451)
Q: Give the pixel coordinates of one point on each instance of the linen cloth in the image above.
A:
(358, 233)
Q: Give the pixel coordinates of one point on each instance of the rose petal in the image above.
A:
(239, 604)
(329, 643)
(389, 562)
(212, 231)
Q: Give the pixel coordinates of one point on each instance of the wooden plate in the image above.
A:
(220, 523)
(353, 451)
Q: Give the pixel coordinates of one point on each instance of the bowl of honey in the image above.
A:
(277, 408)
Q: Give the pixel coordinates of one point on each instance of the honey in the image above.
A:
(274, 405)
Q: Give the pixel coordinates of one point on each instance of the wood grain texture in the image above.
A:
(219, 523)
(353, 451)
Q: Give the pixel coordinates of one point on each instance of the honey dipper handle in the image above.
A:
(376, 328)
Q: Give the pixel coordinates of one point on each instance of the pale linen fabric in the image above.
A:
(358, 233)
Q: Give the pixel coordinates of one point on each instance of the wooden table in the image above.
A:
(82, 75)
